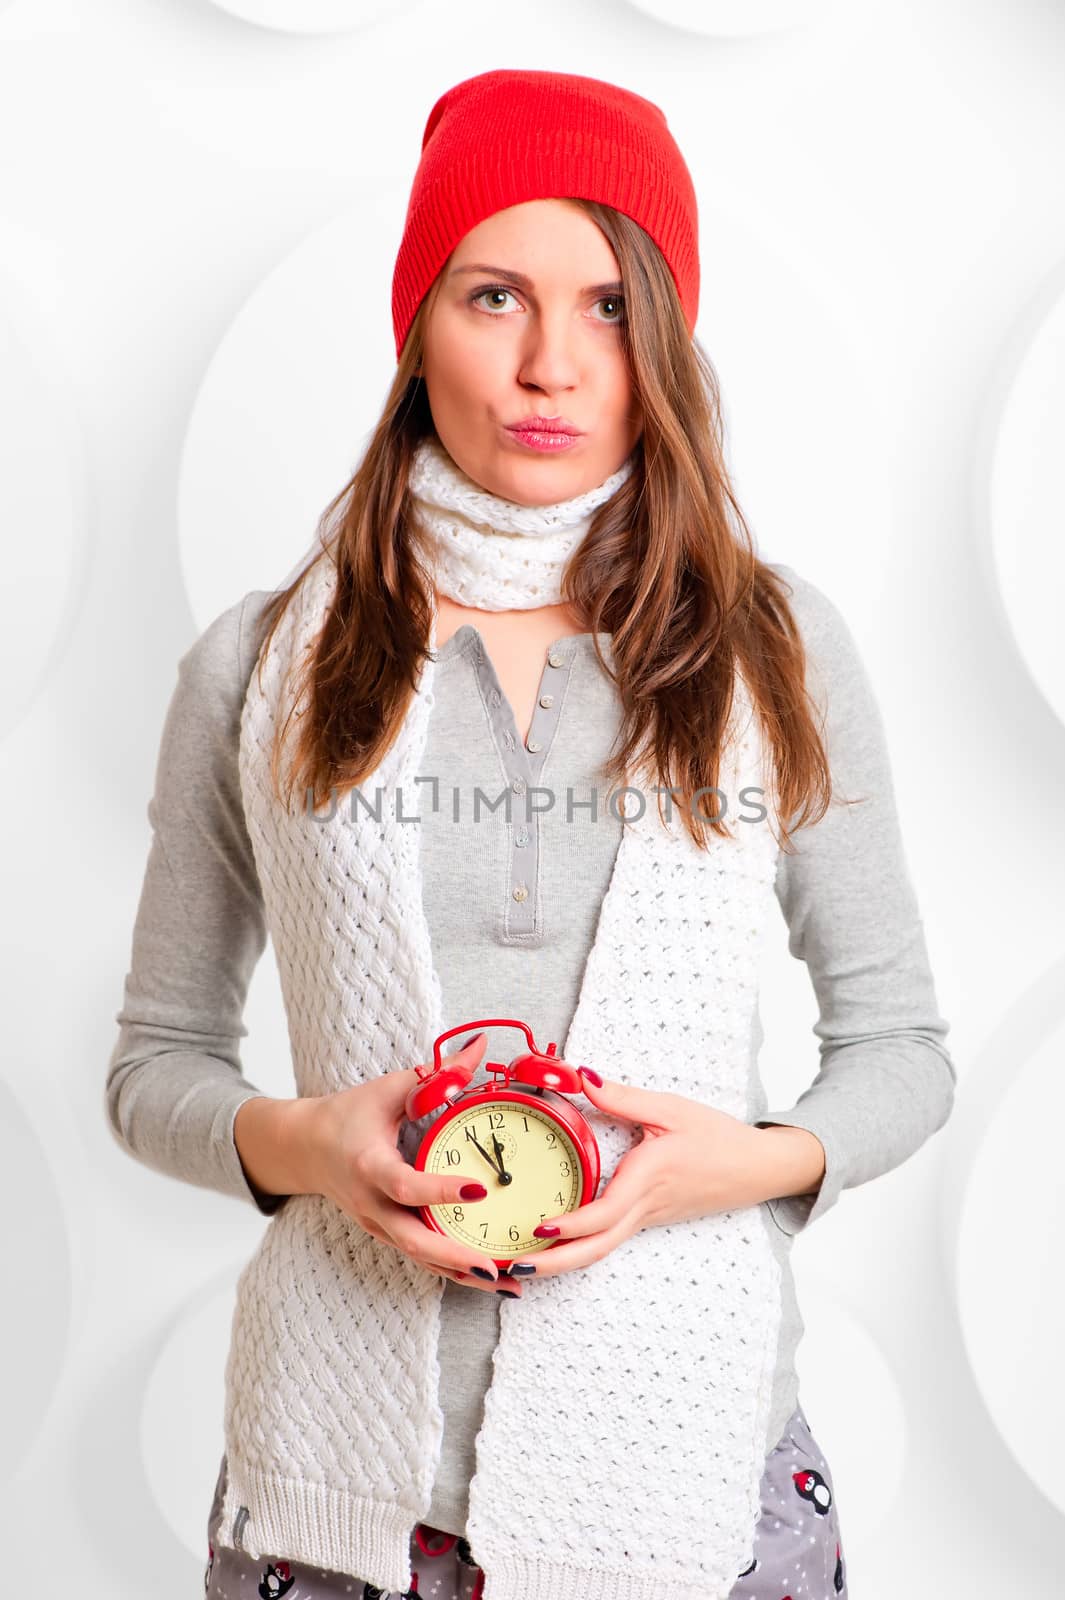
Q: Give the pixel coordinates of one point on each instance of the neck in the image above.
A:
(544, 623)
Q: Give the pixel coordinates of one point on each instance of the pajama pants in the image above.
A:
(797, 1550)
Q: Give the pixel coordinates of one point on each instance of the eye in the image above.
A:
(479, 294)
(614, 300)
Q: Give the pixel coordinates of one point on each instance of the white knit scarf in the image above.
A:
(623, 1441)
(496, 554)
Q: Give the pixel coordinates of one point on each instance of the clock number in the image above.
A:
(559, 1198)
(471, 1132)
(565, 1169)
(550, 1138)
(526, 1122)
(495, 1119)
(513, 1234)
(484, 1230)
(454, 1157)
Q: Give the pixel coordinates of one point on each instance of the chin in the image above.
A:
(572, 462)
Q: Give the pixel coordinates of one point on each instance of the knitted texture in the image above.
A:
(504, 137)
(492, 553)
(623, 1441)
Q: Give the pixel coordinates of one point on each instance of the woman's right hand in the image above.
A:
(354, 1160)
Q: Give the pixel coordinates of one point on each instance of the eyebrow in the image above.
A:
(527, 284)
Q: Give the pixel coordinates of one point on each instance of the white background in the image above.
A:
(200, 206)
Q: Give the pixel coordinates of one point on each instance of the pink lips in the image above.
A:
(545, 433)
(543, 425)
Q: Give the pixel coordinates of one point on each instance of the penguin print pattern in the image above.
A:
(798, 1548)
(797, 1554)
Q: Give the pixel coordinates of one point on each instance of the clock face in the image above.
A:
(541, 1174)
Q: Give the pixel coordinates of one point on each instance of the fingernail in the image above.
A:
(482, 1272)
(513, 1293)
(596, 1079)
(473, 1191)
(471, 1039)
(545, 1231)
(523, 1267)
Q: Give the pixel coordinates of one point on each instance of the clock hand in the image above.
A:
(499, 1157)
(496, 1166)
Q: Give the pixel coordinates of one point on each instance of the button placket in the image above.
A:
(523, 762)
(545, 713)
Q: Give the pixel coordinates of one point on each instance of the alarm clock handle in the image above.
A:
(483, 1022)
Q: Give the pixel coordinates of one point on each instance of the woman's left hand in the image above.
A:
(692, 1159)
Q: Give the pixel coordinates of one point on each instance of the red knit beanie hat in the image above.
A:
(508, 136)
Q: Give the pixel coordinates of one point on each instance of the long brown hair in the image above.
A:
(667, 568)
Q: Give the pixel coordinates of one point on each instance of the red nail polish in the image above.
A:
(473, 1191)
(596, 1079)
(545, 1231)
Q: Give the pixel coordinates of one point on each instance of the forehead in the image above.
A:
(553, 239)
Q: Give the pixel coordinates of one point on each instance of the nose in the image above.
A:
(549, 356)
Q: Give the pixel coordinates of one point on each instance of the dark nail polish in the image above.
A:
(596, 1079)
(482, 1272)
(522, 1267)
(513, 1293)
(473, 1191)
(545, 1231)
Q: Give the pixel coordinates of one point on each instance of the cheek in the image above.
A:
(459, 362)
(618, 389)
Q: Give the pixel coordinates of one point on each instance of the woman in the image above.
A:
(498, 610)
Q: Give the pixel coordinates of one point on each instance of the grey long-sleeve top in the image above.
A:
(512, 911)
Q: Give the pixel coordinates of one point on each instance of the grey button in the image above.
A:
(557, 659)
(518, 785)
(494, 698)
(547, 701)
(534, 745)
(508, 739)
(520, 892)
(522, 836)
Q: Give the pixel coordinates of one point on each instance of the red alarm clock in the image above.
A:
(533, 1150)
